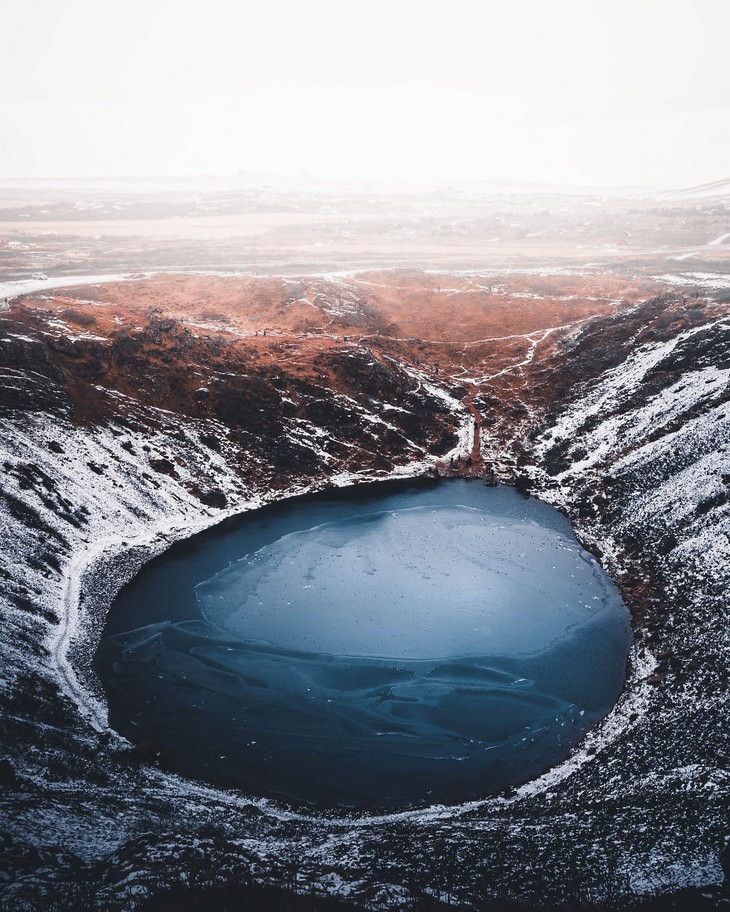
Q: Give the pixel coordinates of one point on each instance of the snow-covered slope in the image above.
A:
(636, 448)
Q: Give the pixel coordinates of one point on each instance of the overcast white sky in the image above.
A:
(609, 92)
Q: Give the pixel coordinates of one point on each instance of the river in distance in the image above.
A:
(378, 648)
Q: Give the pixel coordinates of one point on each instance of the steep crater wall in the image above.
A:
(637, 454)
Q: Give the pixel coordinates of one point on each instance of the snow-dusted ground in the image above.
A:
(639, 806)
(696, 280)
(29, 286)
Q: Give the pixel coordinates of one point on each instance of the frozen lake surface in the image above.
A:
(376, 649)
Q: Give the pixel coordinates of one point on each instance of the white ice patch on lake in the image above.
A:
(416, 583)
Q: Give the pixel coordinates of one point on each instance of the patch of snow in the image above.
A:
(720, 240)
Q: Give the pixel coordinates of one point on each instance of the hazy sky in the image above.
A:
(570, 91)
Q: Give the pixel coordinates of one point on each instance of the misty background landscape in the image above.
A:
(424, 310)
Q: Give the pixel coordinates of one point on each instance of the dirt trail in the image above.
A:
(477, 462)
(470, 465)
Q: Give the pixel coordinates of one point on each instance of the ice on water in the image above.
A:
(424, 645)
(416, 583)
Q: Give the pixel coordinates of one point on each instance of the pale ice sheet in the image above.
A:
(416, 583)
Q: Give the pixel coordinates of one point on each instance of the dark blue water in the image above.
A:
(378, 650)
